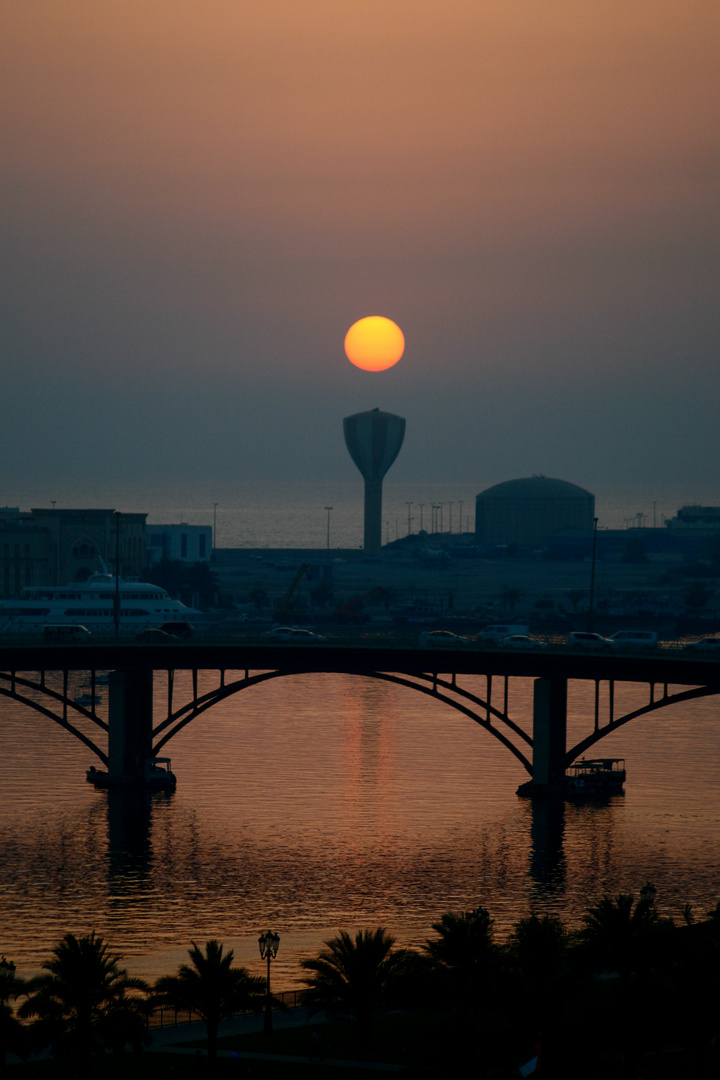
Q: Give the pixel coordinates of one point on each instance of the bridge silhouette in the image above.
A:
(132, 735)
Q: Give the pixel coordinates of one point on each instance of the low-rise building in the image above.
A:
(56, 547)
(181, 543)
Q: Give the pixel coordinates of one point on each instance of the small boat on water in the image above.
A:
(595, 776)
(87, 699)
(158, 776)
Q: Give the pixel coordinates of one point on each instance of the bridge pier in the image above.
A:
(130, 721)
(549, 738)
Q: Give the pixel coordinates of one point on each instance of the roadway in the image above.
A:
(660, 666)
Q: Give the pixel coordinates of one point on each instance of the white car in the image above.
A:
(706, 644)
(294, 634)
(522, 641)
(442, 639)
(581, 639)
(634, 639)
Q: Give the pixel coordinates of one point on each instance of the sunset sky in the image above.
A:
(200, 198)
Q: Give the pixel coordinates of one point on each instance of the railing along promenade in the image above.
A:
(246, 660)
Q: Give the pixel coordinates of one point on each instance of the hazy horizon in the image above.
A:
(201, 199)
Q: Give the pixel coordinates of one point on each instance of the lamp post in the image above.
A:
(328, 508)
(409, 504)
(461, 502)
(421, 521)
(592, 578)
(214, 525)
(117, 574)
(268, 943)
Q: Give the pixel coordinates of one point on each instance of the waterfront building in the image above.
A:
(526, 511)
(55, 546)
(179, 543)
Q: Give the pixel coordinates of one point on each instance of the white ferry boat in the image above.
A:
(92, 604)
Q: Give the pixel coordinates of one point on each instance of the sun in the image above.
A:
(374, 343)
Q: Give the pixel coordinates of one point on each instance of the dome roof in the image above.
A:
(535, 487)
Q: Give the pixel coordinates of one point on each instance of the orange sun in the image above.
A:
(374, 343)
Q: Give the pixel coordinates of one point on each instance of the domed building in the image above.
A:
(525, 512)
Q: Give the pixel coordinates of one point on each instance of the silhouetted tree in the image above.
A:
(619, 934)
(83, 1003)
(464, 955)
(258, 596)
(509, 596)
(354, 976)
(697, 595)
(321, 593)
(211, 987)
(11, 1030)
(185, 580)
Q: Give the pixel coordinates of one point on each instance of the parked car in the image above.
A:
(294, 634)
(581, 639)
(522, 641)
(634, 639)
(706, 644)
(66, 632)
(442, 639)
(156, 635)
(499, 631)
(178, 629)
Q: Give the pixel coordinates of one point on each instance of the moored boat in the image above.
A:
(158, 776)
(595, 776)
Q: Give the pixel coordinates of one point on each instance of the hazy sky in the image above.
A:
(200, 197)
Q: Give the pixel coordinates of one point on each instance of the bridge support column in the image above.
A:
(549, 735)
(130, 715)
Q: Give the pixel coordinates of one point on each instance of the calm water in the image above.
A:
(319, 802)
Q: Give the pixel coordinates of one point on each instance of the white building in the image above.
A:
(181, 543)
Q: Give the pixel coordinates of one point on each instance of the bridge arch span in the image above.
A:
(652, 706)
(432, 686)
(61, 719)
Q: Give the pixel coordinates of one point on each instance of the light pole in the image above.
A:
(421, 524)
(328, 508)
(214, 526)
(117, 574)
(592, 578)
(461, 502)
(409, 518)
(451, 506)
(268, 943)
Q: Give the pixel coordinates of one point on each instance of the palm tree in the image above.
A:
(509, 596)
(618, 933)
(539, 947)
(355, 976)
(82, 1004)
(11, 1030)
(211, 987)
(463, 954)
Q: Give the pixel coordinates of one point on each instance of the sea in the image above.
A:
(316, 803)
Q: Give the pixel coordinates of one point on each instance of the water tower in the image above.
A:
(374, 439)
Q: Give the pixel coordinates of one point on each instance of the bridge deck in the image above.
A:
(663, 666)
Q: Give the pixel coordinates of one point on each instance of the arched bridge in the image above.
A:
(132, 736)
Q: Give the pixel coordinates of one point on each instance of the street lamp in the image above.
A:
(409, 504)
(421, 521)
(214, 525)
(328, 508)
(116, 606)
(592, 578)
(268, 943)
